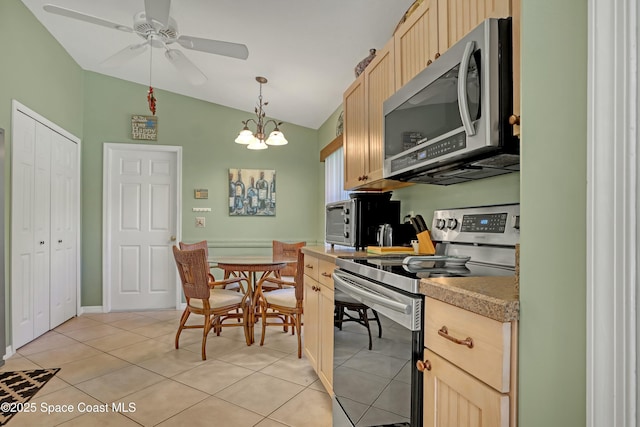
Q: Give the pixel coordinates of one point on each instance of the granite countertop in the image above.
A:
(495, 297)
(328, 253)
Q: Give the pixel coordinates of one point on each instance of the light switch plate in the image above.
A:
(200, 222)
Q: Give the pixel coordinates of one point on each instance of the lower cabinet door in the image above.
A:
(311, 320)
(454, 398)
(325, 371)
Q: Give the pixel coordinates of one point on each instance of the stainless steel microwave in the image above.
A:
(450, 123)
(355, 222)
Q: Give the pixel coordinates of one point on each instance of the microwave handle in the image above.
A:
(463, 105)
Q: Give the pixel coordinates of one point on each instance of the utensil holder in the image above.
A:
(425, 245)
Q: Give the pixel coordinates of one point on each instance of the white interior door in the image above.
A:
(64, 220)
(22, 230)
(141, 226)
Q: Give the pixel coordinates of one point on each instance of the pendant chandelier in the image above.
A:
(256, 141)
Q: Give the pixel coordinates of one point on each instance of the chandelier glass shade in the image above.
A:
(256, 140)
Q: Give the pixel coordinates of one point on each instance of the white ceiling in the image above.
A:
(306, 49)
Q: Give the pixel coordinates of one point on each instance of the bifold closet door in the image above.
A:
(31, 236)
(44, 227)
(64, 222)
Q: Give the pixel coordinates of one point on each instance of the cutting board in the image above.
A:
(390, 250)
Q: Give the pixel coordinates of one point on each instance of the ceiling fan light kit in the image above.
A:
(256, 141)
(159, 30)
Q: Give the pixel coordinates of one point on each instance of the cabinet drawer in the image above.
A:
(487, 356)
(311, 267)
(325, 269)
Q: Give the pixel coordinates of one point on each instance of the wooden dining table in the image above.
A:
(255, 269)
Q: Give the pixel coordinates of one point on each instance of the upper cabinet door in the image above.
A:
(379, 85)
(457, 17)
(355, 133)
(416, 42)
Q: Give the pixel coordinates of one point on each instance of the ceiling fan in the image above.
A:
(159, 30)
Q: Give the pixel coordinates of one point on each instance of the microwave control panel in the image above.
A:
(430, 151)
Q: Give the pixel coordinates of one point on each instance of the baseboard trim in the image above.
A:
(91, 309)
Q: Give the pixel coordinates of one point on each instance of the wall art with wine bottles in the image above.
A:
(252, 192)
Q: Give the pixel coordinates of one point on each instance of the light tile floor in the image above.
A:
(129, 358)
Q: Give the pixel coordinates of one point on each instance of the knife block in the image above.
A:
(425, 245)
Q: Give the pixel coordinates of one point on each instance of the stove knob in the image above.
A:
(346, 220)
(346, 234)
(452, 223)
(440, 224)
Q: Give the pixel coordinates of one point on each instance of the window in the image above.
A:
(334, 177)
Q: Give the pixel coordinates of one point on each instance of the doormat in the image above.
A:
(18, 387)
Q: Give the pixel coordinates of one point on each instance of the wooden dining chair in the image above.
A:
(286, 251)
(229, 282)
(214, 303)
(283, 307)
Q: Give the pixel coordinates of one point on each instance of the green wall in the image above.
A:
(553, 237)
(38, 73)
(206, 133)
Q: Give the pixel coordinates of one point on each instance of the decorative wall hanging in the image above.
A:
(144, 127)
(340, 124)
(252, 192)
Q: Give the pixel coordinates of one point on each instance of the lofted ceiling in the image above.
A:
(306, 49)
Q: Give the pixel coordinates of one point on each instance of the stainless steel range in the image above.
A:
(378, 385)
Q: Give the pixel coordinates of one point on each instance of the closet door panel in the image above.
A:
(63, 229)
(42, 230)
(22, 228)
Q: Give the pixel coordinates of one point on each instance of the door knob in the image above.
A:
(173, 238)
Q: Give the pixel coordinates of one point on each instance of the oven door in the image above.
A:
(380, 386)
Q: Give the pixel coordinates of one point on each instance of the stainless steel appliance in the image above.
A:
(381, 386)
(450, 123)
(355, 222)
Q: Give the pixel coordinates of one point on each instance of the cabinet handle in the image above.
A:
(422, 366)
(42, 242)
(444, 333)
(514, 120)
(309, 266)
(429, 62)
(325, 274)
(59, 241)
(437, 55)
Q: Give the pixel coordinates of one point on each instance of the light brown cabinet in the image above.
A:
(363, 136)
(318, 317)
(416, 42)
(469, 368)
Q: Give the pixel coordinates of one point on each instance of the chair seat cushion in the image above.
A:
(219, 298)
(283, 297)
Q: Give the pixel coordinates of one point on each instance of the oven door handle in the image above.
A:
(387, 302)
(463, 103)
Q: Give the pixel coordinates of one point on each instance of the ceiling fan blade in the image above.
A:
(185, 66)
(158, 11)
(57, 10)
(234, 50)
(126, 54)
